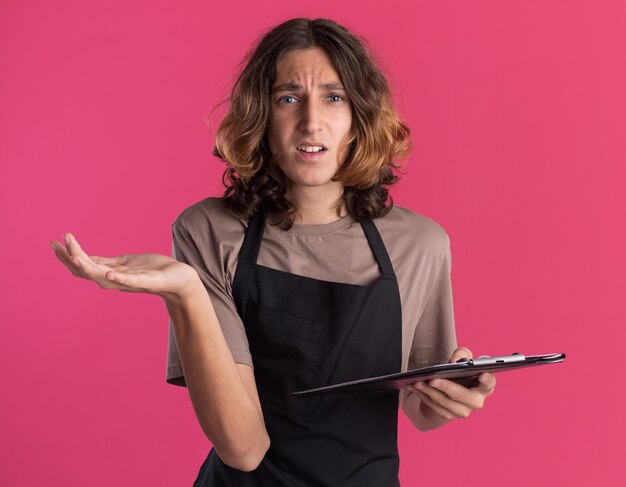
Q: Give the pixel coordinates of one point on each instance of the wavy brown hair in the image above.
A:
(253, 181)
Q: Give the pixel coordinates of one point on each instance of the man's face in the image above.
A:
(309, 109)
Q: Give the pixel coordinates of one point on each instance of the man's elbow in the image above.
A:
(247, 459)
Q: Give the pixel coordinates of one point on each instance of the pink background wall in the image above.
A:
(518, 115)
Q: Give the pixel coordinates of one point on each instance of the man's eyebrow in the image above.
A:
(298, 87)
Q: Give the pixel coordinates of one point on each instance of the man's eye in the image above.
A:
(335, 98)
(287, 100)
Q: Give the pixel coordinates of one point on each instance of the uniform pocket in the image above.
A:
(286, 352)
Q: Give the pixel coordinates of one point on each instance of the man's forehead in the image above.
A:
(299, 65)
(295, 71)
(294, 85)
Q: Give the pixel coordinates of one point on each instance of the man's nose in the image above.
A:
(311, 117)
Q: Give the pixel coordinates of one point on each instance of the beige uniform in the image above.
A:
(208, 237)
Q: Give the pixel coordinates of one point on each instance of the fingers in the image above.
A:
(470, 398)
(440, 402)
(439, 410)
(92, 271)
(75, 253)
(486, 384)
(61, 254)
(73, 248)
(111, 272)
(451, 400)
(110, 261)
(81, 265)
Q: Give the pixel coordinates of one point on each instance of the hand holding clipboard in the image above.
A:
(464, 371)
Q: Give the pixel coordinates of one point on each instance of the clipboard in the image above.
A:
(464, 371)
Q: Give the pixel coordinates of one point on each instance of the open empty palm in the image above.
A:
(146, 273)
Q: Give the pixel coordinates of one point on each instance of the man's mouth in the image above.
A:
(313, 148)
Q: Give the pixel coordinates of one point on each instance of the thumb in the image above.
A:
(133, 281)
(459, 353)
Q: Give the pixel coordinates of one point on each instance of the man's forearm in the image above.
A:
(226, 408)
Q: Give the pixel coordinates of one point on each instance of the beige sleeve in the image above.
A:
(211, 272)
(435, 337)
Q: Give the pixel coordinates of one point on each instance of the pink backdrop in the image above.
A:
(518, 115)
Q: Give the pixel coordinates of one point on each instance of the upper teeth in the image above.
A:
(306, 148)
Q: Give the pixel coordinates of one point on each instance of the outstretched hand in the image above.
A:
(451, 400)
(139, 273)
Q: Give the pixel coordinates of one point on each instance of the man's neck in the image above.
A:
(318, 205)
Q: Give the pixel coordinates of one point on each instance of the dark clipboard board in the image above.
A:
(464, 372)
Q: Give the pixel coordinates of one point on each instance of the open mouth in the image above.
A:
(311, 149)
